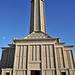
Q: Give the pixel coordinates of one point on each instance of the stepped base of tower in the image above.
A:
(43, 56)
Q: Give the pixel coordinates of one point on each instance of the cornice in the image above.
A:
(6, 47)
(60, 43)
(42, 39)
(69, 46)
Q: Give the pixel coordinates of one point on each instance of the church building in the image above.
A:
(38, 53)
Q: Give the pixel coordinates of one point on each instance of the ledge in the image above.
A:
(35, 39)
(11, 44)
(35, 69)
(60, 43)
(6, 69)
(20, 69)
(6, 47)
(69, 46)
(32, 62)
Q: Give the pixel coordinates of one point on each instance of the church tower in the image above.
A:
(37, 53)
(37, 23)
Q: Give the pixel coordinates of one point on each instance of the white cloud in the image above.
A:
(3, 37)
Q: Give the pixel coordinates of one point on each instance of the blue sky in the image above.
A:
(15, 20)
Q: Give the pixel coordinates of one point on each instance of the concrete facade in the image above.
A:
(37, 52)
(47, 56)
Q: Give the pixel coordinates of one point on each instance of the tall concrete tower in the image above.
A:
(37, 22)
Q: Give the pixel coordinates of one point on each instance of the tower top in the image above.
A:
(37, 23)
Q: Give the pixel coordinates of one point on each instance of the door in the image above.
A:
(7, 73)
(63, 73)
(32, 72)
(35, 72)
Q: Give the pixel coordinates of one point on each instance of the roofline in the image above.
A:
(6, 47)
(10, 44)
(69, 46)
(34, 39)
(60, 43)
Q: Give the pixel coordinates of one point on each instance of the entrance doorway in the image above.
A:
(35, 72)
(7, 74)
(63, 73)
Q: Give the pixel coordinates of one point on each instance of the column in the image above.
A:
(14, 60)
(56, 63)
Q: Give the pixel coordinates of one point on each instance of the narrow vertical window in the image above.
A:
(49, 56)
(32, 53)
(19, 57)
(22, 56)
(63, 58)
(46, 56)
(35, 52)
